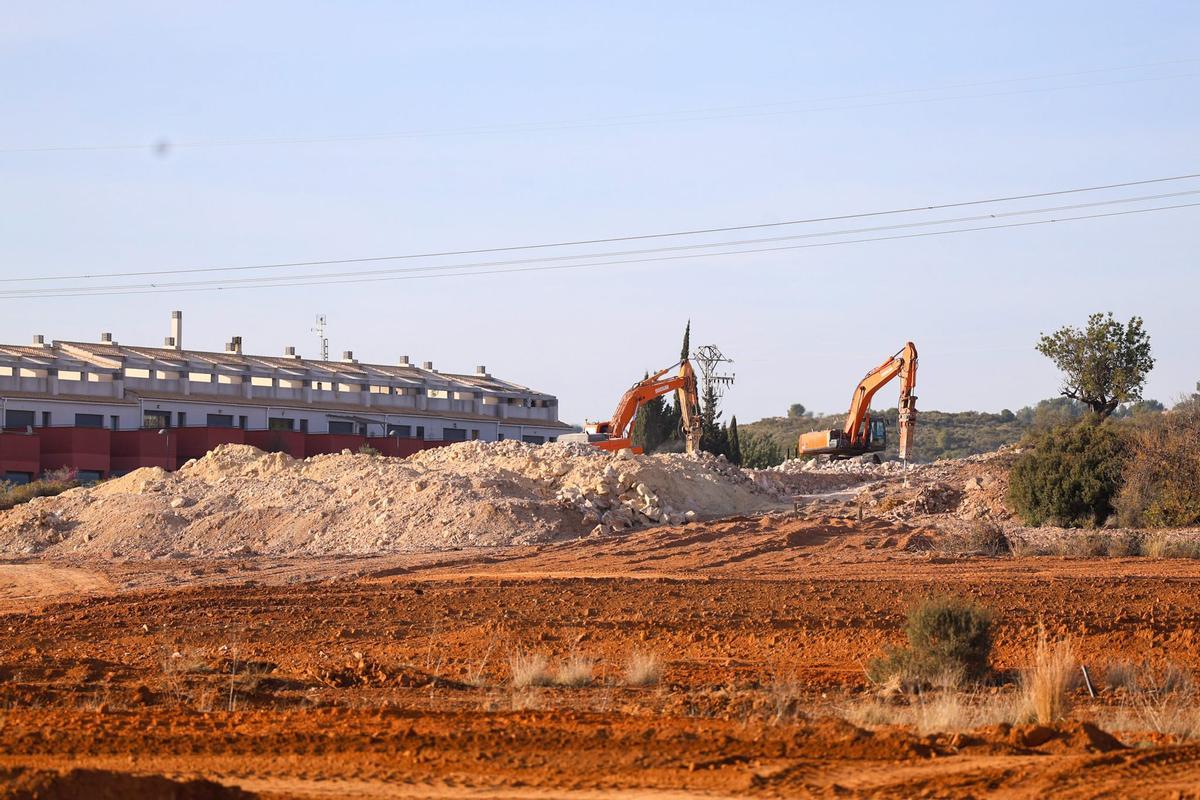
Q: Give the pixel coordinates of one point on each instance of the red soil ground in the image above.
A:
(389, 677)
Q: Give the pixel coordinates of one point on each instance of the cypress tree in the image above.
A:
(712, 436)
(735, 447)
(687, 342)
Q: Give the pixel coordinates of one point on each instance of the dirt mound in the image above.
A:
(972, 488)
(238, 499)
(96, 784)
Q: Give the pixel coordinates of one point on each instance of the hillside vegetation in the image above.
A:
(945, 434)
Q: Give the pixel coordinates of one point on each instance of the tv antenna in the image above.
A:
(710, 358)
(319, 330)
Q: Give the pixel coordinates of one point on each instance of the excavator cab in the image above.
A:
(877, 436)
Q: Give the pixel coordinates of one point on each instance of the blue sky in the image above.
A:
(802, 325)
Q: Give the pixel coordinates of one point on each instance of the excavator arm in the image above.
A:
(614, 433)
(856, 437)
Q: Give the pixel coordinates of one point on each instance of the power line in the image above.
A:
(680, 115)
(269, 280)
(338, 281)
(604, 240)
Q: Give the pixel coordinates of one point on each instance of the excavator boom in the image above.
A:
(614, 433)
(861, 434)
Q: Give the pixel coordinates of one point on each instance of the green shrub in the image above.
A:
(367, 450)
(946, 637)
(1069, 477)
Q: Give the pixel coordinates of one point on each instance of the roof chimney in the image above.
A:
(427, 365)
(290, 352)
(234, 346)
(39, 340)
(404, 362)
(106, 338)
(169, 341)
(348, 357)
(481, 370)
(177, 330)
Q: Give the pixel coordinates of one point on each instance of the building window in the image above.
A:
(88, 476)
(403, 431)
(183, 419)
(474, 434)
(45, 419)
(157, 419)
(420, 431)
(531, 439)
(220, 420)
(89, 420)
(18, 478)
(341, 426)
(454, 434)
(18, 419)
(304, 426)
(114, 422)
(243, 421)
(499, 437)
(281, 424)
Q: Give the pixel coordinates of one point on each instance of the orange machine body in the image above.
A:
(613, 434)
(861, 434)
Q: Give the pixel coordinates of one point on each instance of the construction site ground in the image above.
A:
(317, 677)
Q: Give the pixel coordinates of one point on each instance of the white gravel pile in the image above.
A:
(238, 499)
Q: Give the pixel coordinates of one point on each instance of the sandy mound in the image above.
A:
(238, 499)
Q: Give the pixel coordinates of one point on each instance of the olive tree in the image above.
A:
(1103, 365)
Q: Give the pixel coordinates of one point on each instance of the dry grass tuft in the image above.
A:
(529, 669)
(1162, 701)
(1121, 675)
(643, 669)
(1162, 544)
(938, 712)
(1047, 684)
(786, 696)
(576, 671)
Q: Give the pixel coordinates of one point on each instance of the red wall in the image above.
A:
(290, 442)
(318, 443)
(106, 451)
(78, 448)
(143, 448)
(20, 453)
(197, 442)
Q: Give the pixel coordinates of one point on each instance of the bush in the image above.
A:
(759, 451)
(54, 483)
(1161, 487)
(367, 450)
(984, 537)
(1163, 545)
(946, 637)
(1069, 477)
(988, 538)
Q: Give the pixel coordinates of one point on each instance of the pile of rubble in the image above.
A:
(238, 499)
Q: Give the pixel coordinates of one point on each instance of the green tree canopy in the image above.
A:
(735, 447)
(1104, 364)
(797, 410)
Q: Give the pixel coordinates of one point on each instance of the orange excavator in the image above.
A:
(613, 434)
(861, 434)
